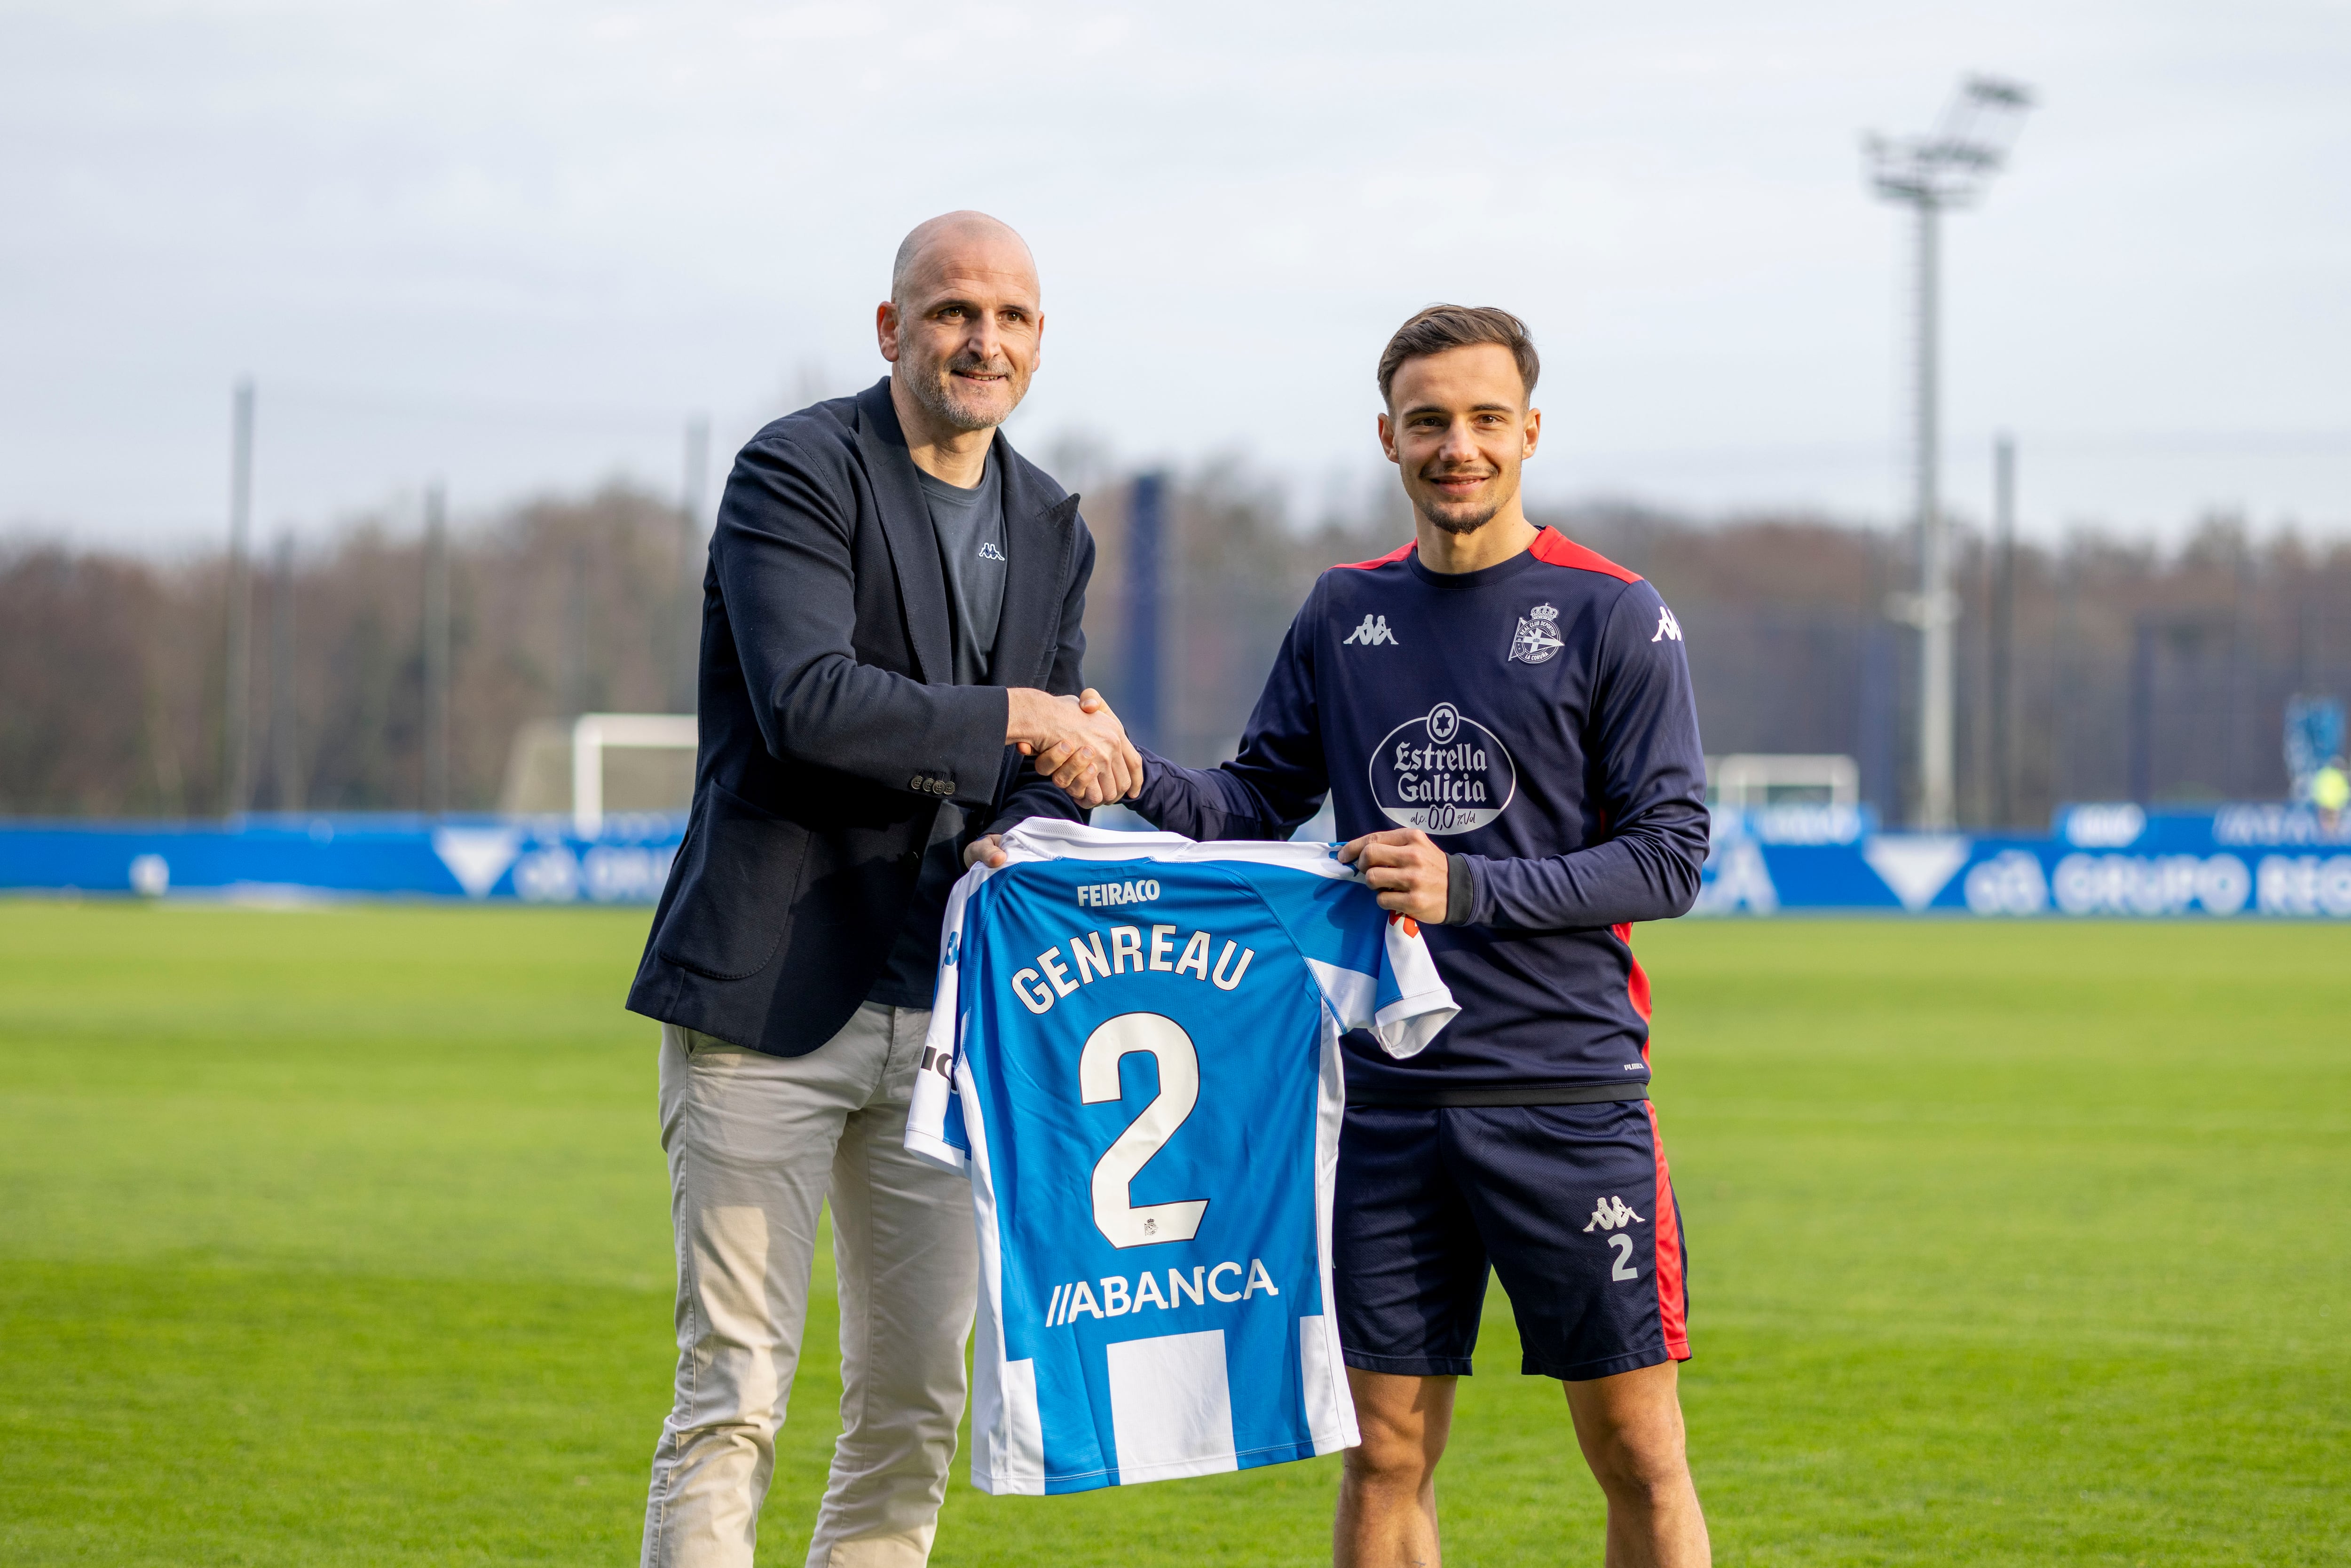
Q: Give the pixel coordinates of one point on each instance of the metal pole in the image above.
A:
(2065, 679)
(285, 754)
(236, 713)
(575, 633)
(2142, 711)
(2003, 628)
(1935, 610)
(587, 776)
(1146, 527)
(437, 649)
(694, 556)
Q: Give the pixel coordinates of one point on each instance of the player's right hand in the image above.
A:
(1078, 743)
(1407, 870)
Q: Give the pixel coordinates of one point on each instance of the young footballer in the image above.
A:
(1503, 722)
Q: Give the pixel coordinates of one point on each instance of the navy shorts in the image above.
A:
(1570, 1204)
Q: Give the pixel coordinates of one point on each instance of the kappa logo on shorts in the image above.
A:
(1611, 1213)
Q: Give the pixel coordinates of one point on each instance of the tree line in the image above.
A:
(2130, 671)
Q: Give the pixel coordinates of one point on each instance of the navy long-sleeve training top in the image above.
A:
(1535, 718)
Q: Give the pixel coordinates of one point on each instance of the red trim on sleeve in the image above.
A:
(1673, 1283)
(1636, 982)
(1395, 555)
(1636, 985)
(1556, 548)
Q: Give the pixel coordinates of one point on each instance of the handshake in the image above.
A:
(1077, 742)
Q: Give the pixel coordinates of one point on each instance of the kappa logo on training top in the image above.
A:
(1668, 627)
(987, 550)
(1538, 637)
(1372, 632)
(1610, 1214)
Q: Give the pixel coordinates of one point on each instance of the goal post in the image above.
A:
(1752, 780)
(593, 734)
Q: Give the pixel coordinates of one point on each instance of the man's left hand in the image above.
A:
(1407, 871)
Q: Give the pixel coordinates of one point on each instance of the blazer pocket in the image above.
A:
(743, 869)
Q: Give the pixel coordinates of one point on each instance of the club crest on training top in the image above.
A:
(1538, 637)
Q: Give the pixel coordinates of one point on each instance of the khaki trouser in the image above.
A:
(756, 1145)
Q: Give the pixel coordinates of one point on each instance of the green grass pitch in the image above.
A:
(342, 1237)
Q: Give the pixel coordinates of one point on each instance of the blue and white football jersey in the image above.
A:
(1134, 1051)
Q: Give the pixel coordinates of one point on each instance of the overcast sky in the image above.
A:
(515, 243)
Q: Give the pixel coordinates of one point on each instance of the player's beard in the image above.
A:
(937, 391)
(1459, 522)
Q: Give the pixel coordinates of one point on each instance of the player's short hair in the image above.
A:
(1443, 326)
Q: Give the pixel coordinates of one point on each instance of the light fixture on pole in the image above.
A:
(1949, 168)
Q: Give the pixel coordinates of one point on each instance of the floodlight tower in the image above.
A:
(1949, 168)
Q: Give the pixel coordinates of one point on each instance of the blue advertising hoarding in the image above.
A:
(2099, 860)
(538, 860)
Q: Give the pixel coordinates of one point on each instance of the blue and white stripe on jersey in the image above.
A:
(1134, 1054)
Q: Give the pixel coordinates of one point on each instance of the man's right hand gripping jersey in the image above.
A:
(1135, 1048)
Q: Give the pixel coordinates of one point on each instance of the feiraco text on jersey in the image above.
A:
(1098, 894)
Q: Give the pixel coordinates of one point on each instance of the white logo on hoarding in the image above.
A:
(1442, 773)
(2154, 884)
(1736, 876)
(2112, 827)
(1914, 866)
(477, 857)
(1538, 635)
(1372, 632)
(2010, 883)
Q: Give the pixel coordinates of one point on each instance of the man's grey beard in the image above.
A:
(934, 394)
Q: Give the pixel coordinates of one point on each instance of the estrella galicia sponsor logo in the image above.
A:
(1611, 1213)
(1372, 634)
(1538, 635)
(1442, 773)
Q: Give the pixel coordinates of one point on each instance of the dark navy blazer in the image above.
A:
(830, 732)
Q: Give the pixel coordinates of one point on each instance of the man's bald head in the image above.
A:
(962, 324)
(953, 241)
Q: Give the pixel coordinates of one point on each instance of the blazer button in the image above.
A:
(918, 783)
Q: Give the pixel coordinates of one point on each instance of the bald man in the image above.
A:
(890, 628)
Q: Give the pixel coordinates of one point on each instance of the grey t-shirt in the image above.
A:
(969, 527)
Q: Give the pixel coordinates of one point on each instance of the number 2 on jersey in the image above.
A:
(1122, 1223)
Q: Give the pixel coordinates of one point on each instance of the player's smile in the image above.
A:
(1459, 486)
